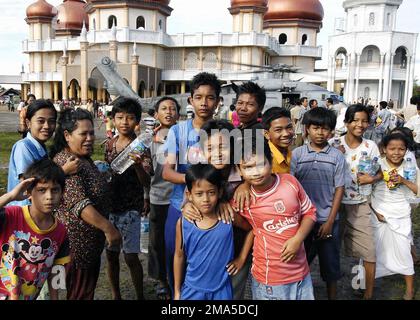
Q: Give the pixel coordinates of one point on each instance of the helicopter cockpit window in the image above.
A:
(283, 38)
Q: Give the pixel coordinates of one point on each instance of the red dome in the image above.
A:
(294, 9)
(71, 15)
(41, 8)
(248, 3)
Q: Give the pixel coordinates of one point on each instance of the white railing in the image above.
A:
(41, 76)
(182, 40)
(226, 75)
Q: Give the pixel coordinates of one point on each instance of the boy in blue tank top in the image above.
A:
(205, 248)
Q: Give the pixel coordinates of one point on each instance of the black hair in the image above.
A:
(312, 101)
(67, 122)
(205, 79)
(273, 114)
(320, 117)
(352, 110)
(45, 170)
(302, 100)
(408, 134)
(383, 104)
(126, 105)
(157, 105)
(30, 96)
(250, 144)
(253, 89)
(37, 105)
(203, 172)
(232, 107)
(218, 126)
(414, 100)
(330, 100)
(395, 136)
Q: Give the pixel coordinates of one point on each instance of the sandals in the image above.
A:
(163, 293)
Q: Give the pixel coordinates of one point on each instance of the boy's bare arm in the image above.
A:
(179, 262)
(18, 193)
(326, 229)
(236, 265)
(292, 246)
(169, 173)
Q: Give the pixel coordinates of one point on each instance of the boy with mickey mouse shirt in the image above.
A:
(32, 241)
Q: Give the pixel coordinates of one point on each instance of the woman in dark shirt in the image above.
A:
(83, 209)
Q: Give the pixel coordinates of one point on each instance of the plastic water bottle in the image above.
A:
(144, 236)
(137, 147)
(375, 167)
(365, 166)
(410, 174)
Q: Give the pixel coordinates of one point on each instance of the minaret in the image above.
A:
(39, 17)
(248, 15)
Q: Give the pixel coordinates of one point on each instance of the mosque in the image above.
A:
(65, 43)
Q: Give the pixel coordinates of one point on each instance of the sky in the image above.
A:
(189, 16)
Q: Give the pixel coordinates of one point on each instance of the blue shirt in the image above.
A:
(24, 153)
(320, 173)
(183, 142)
(207, 252)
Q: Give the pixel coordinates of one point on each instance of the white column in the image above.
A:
(386, 77)
(381, 78)
(411, 80)
(351, 77)
(347, 93)
(391, 71)
(357, 75)
(330, 71)
(334, 70)
(407, 82)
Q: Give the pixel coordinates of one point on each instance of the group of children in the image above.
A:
(224, 202)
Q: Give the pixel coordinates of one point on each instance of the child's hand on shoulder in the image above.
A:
(226, 212)
(19, 192)
(242, 197)
(235, 266)
(191, 213)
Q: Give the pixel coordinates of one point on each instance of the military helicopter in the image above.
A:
(280, 92)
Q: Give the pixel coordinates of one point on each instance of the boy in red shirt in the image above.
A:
(32, 240)
(281, 217)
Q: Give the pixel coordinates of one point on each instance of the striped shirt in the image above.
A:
(320, 173)
(275, 217)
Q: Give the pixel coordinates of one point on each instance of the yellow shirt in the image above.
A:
(280, 164)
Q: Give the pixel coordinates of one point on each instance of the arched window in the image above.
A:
(370, 56)
(371, 19)
(355, 20)
(283, 38)
(141, 23)
(210, 61)
(160, 24)
(192, 61)
(112, 21)
(94, 24)
(304, 39)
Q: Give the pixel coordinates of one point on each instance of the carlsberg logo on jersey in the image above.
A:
(280, 225)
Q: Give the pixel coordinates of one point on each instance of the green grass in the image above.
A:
(8, 139)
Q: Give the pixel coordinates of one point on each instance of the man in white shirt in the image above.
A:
(297, 113)
(410, 110)
(414, 125)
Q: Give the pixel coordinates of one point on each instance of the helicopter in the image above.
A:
(280, 92)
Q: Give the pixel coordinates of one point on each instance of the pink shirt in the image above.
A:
(275, 217)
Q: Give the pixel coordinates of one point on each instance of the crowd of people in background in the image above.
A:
(232, 192)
